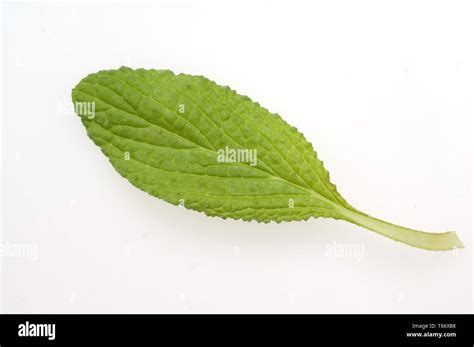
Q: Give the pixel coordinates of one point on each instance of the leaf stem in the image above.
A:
(420, 239)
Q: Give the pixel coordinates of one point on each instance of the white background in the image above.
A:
(384, 91)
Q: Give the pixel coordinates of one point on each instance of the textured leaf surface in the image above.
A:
(163, 132)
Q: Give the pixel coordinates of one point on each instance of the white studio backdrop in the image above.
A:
(383, 90)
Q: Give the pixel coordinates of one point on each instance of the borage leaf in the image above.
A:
(189, 141)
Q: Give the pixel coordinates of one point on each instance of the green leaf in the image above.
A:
(191, 142)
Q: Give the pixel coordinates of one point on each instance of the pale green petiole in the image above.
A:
(431, 241)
